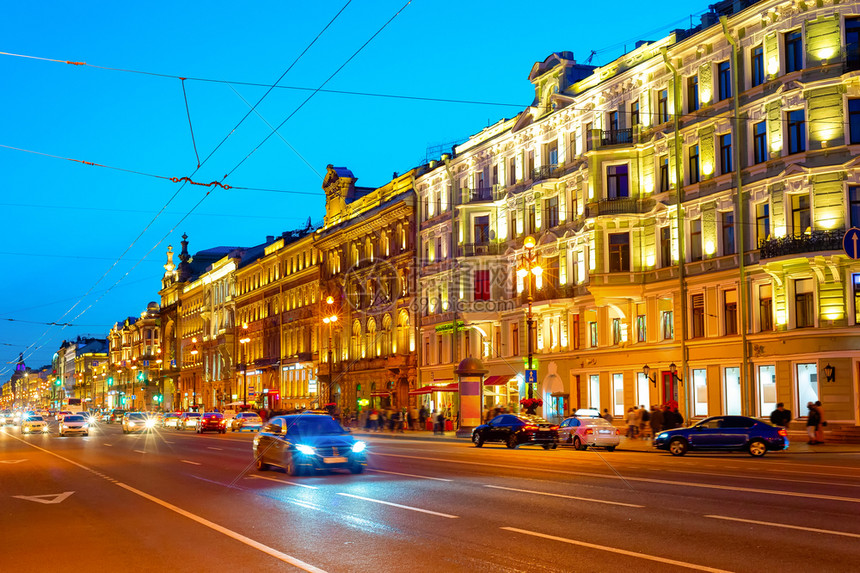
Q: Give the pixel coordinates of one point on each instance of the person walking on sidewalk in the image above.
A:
(656, 420)
(630, 420)
(819, 431)
(780, 417)
(644, 419)
(813, 421)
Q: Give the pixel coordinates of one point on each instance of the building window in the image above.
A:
(667, 325)
(693, 93)
(552, 212)
(663, 106)
(800, 220)
(726, 153)
(552, 153)
(617, 181)
(513, 227)
(767, 389)
(640, 328)
(855, 281)
(728, 228)
(757, 65)
(663, 163)
(765, 307)
(665, 246)
(698, 316)
(532, 219)
(852, 44)
(530, 164)
(796, 125)
(439, 357)
(760, 142)
(696, 240)
(724, 80)
(592, 334)
(762, 222)
(804, 303)
(612, 120)
(634, 113)
(694, 164)
(793, 51)
(589, 139)
(730, 310)
(616, 331)
(482, 230)
(575, 328)
(482, 285)
(854, 120)
(618, 394)
(700, 392)
(515, 339)
(619, 252)
(512, 171)
(732, 383)
(807, 383)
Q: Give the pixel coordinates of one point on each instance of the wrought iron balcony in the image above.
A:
(548, 171)
(477, 195)
(813, 242)
(479, 249)
(619, 205)
(616, 137)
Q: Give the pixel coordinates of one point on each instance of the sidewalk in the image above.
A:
(797, 443)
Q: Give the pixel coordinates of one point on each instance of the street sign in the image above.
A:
(851, 243)
(531, 376)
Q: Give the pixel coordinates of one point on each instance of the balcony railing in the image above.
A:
(618, 206)
(548, 171)
(479, 249)
(812, 242)
(475, 195)
(616, 137)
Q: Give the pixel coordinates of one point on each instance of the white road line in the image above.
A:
(140, 451)
(639, 479)
(219, 449)
(768, 478)
(286, 482)
(189, 462)
(398, 505)
(220, 529)
(617, 550)
(409, 475)
(565, 496)
(784, 526)
(108, 445)
(228, 532)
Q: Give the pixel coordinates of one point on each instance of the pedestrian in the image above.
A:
(607, 416)
(373, 419)
(656, 422)
(780, 417)
(434, 418)
(630, 420)
(440, 420)
(422, 418)
(644, 418)
(819, 432)
(813, 421)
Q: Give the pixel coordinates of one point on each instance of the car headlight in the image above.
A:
(358, 447)
(131, 424)
(45, 429)
(150, 423)
(307, 450)
(662, 436)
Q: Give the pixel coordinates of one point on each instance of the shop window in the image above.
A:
(643, 390)
(767, 389)
(732, 380)
(700, 392)
(618, 394)
(594, 391)
(807, 384)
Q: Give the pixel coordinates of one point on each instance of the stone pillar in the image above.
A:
(470, 372)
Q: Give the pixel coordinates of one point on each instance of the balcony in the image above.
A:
(616, 137)
(479, 249)
(549, 171)
(619, 206)
(476, 195)
(813, 242)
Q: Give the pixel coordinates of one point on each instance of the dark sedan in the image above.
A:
(515, 430)
(212, 422)
(724, 433)
(306, 443)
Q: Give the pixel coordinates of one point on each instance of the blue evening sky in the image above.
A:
(66, 224)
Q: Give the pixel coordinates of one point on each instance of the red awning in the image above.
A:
(421, 391)
(497, 380)
(451, 387)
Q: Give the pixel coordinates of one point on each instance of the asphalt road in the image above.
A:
(184, 502)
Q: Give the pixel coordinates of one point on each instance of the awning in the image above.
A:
(497, 380)
(451, 387)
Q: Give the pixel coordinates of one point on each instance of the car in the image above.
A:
(170, 419)
(588, 431)
(308, 443)
(724, 433)
(34, 424)
(73, 424)
(211, 422)
(137, 422)
(116, 416)
(62, 414)
(187, 420)
(91, 418)
(515, 430)
(7, 418)
(246, 421)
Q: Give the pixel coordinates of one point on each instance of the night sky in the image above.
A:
(82, 244)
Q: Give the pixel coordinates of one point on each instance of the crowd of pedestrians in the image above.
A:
(644, 423)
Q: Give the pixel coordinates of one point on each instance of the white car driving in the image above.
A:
(74, 424)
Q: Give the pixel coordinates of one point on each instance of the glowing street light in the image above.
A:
(529, 269)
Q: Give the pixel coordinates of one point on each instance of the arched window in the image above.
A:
(385, 242)
(402, 332)
(368, 249)
(356, 340)
(373, 342)
(354, 255)
(386, 335)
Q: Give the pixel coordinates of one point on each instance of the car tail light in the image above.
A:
(530, 427)
(589, 431)
(553, 427)
(782, 432)
(617, 432)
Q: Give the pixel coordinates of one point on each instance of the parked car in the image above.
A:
(73, 424)
(515, 430)
(724, 433)
(306, 443)
(137, 422)
(34, 424)
(170, 419)
(187, 420)
(246, 421)
(212, 422)
(588, 431)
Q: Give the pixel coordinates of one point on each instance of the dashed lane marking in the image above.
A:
(565, 496)
(409, 507)
(786, 526)
(190, 462)
(285, 481)
(408, 475)
(218, 449)
(139, 451)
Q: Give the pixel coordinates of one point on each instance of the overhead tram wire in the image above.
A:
(170, 200)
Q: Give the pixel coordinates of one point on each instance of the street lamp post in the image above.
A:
(329, 319)
(529, 269)
(243, 341)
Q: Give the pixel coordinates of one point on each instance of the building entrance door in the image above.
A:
(670, 387)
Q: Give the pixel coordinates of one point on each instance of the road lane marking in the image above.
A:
(639, 479)
(12, 461)
(742, 476)
(190, 462)
(205, 522)
(617, 550)
(140, 451)
(785, 526)
(47, 499)
(564, 496)
(108, 445)
(285, 481)
(228, 532)
(211, 448)
(409, 507)
(409, 475)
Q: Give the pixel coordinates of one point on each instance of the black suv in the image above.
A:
(515, 430)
